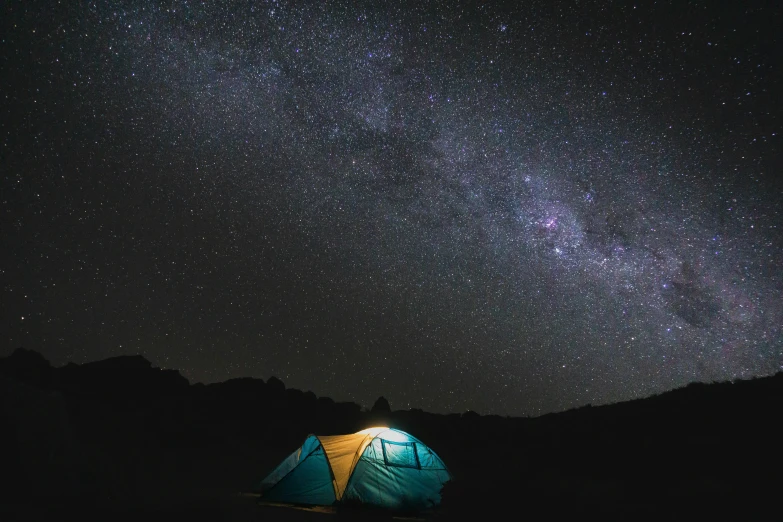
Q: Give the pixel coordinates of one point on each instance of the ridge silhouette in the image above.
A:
(120, 436)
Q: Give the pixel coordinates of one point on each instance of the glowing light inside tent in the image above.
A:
(373, 431)
(386, 434)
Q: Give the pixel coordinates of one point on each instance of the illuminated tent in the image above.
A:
(378, 466)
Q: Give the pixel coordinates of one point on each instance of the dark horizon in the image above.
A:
(505, 209)
(121, 377)
(119, 439)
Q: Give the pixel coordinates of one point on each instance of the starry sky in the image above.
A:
(513, 209)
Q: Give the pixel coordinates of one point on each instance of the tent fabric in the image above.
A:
(398, 475)
(291, 462)
(377, 466)
(302, 478)
(343, 452)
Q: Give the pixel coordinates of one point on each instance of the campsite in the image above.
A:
(120, 438)
(432, 260)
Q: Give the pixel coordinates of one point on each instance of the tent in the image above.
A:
(381, 467)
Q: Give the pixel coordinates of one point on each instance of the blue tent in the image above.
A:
(378, 466)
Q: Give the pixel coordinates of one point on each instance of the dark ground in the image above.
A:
(120, 440)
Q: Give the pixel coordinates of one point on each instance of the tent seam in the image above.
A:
(331, 471)
(356, 463)
(299, 464)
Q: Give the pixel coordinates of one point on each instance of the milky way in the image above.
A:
(457, 206)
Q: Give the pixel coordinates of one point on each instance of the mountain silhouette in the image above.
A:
(95, 438)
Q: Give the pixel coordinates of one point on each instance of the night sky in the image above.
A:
(509, 209)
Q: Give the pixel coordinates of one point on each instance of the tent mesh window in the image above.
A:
(400, 454)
